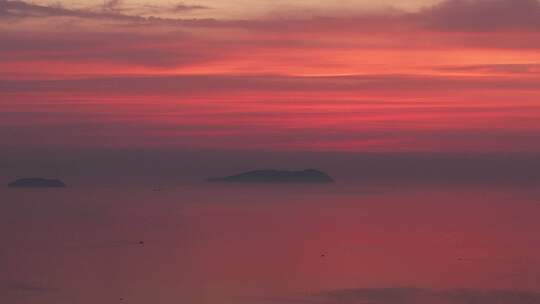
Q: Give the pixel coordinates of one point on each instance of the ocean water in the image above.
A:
(213, 243)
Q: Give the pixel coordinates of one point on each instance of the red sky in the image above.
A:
(435, 76)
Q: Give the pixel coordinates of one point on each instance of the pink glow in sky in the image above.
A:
(440, 76)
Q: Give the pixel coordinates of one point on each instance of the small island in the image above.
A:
(36, 182)
(277, 176)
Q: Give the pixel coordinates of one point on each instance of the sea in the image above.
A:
(212, 243)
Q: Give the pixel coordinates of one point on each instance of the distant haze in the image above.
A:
(169, 167)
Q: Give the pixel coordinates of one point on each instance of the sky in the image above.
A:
(435, 77)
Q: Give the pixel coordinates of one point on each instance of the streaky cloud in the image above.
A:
(185, 84)
(523, 68)
(448, 15)
(183, 7)
(21, 9)
(483, 15)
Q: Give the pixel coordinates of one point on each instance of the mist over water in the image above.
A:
(150, 167)
(210, 243)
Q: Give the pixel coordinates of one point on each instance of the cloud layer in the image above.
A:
(448, 15)
(456, 76)
(484, 15)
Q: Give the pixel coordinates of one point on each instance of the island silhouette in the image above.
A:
(37, 182)
(276, 176)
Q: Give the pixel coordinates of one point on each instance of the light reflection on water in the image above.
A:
(211, 243)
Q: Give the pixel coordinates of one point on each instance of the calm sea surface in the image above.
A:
(211, 243)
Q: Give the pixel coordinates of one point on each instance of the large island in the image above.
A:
(277, 176)
(36, 182)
